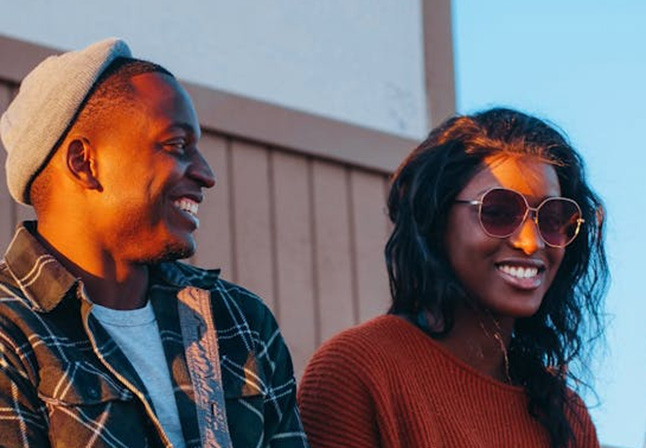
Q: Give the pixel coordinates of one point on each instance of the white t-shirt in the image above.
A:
(137, 334)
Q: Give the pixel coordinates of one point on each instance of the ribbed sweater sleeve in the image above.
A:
(336, 405)
(584, 430)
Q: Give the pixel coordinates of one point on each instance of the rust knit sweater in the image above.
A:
(387, 384)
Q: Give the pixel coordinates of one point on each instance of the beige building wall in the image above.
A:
(298, 211)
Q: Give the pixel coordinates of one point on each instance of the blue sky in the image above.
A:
(582, 65)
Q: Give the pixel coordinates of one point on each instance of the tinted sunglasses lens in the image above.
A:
(501, 212)
(558, 221)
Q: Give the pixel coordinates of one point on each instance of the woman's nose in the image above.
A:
(527, 237)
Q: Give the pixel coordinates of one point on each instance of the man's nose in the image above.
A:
(201, 171)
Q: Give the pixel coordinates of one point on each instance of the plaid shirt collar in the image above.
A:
(42, 279)
(45, 281)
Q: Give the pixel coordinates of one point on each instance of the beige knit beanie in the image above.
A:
(47, 102)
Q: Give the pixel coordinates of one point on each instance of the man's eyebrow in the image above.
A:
(184, 126)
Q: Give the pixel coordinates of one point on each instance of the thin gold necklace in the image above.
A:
(497, 336)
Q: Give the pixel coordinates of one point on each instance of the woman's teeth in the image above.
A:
(518, 271)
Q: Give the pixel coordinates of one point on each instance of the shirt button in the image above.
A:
(93, 392)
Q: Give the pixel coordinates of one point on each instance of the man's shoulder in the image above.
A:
(227, 297)
(183, 274)
(9, 288)
(239, 301)
(6, 279)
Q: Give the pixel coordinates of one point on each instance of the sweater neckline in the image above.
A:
(419, 334)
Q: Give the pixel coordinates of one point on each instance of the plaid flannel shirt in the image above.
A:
(65, 383)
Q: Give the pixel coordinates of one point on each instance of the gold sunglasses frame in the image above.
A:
(528, 209)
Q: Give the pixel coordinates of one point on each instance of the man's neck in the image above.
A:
(109, 282)
(125, 294)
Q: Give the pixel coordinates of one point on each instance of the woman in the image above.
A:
(497, 273)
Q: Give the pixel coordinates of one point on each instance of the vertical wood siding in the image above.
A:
(293, 254)
(215, 235)
(306, 234)
(251, 186)
(6, 202)
(332, 243)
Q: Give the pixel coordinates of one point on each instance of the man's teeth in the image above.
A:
(518, 271)
(187, 205)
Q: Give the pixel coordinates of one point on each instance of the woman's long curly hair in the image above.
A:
(569, 319)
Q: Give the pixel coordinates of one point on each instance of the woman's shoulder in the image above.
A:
(370, 346)
(345, 384)
(353, 363)
(377, 334)
(584, 429)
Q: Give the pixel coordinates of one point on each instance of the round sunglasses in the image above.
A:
(502, 211)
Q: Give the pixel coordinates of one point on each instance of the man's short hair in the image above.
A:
(111, 90)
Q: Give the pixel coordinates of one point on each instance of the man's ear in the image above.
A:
(81, 163)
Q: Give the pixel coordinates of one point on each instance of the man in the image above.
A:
(105, 339)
